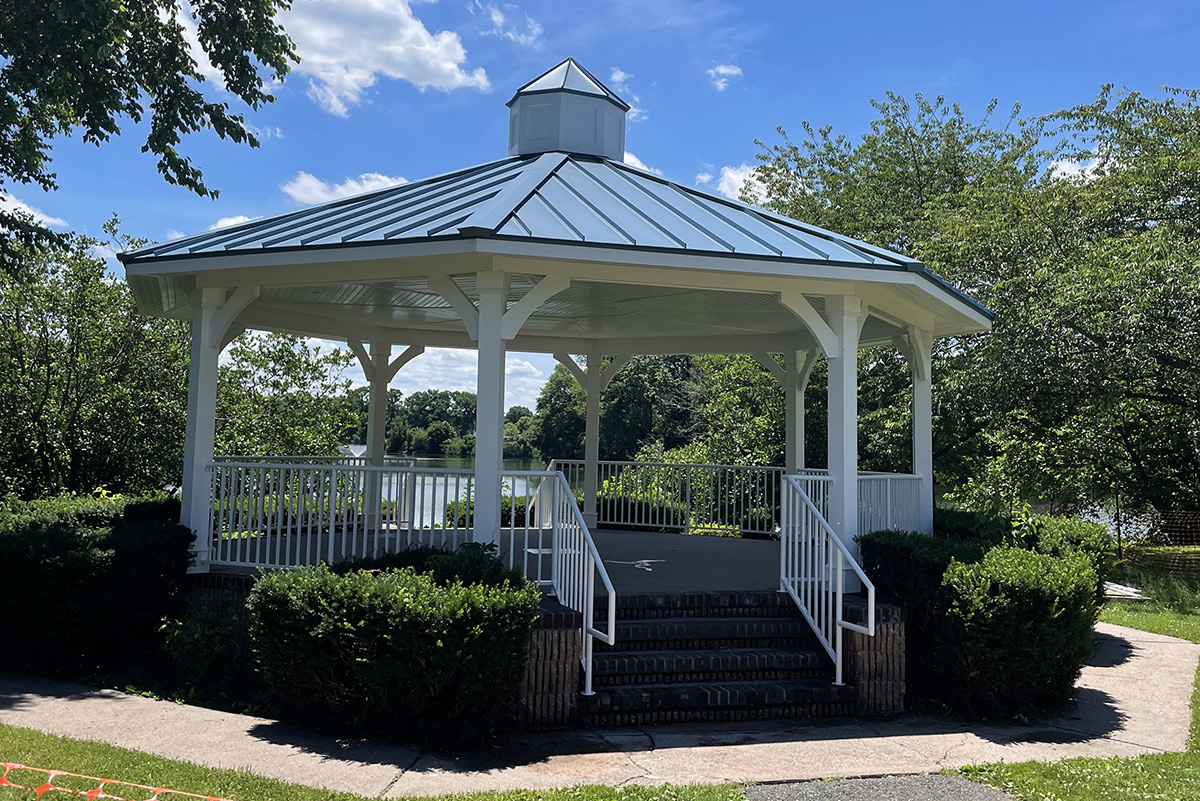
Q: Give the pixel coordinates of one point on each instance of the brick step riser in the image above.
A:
(656, 717)
(685, 614)
(707, 644)
(619, 679)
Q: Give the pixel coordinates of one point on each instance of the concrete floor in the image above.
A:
(647, 561)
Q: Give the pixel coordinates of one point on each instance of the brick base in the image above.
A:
(875, 665)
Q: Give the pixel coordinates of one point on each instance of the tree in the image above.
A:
(95, 393)
(515, 413)
(1080, 231)
(278, 395)
(560, 411)
(90, 65)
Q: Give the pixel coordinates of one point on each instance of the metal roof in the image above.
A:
(571, 77)
(554, 197)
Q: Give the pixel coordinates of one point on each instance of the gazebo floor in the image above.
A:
(656, 562)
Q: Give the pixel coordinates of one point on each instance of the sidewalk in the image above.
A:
(1133, 699)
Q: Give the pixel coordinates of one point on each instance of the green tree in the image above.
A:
(561, 417)
(279, 395)
(90, 65)
(94, 393)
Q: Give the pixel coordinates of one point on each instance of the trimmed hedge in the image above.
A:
(397, 653)
(471, 563)
(960, 524)
(1058, 536)
(87, 582)
(512, 512)
(1016, 631)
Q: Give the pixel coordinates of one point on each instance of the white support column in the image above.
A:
(380, 377)
(844, 316)
(591, 440)
(797, 367)
(489, 410)
(213, 316)
(920, 362)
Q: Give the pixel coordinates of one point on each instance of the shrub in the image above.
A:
(1060, 535)
(394, 653)
(960, 524)
(653, 512)
(1016, 631)
(512, 512)
(207, 654)
(83, 587)
(471, 563)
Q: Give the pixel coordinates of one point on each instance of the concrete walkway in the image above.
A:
(1133, 699)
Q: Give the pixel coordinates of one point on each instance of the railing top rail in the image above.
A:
(344, 467)
(837, 541)
(770, 468)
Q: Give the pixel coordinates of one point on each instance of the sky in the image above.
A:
(396, 90)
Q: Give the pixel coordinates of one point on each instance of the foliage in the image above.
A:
(87, 66)
(205, 652)
(962, 524)
(279, 395)
(1058, 536)
(86, 585)
(513, 512)
(1080, 231)
(396, 652)
(94, 392)
(29, 747)
(1016, 633)
(1163, 777)
(470, 563)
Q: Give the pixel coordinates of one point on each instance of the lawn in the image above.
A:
(36, 749)
(1163, 777)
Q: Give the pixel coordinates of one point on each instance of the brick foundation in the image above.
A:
(875, 665)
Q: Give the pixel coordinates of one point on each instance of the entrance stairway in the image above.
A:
(720, 656)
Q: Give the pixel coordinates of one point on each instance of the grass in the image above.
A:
(39, 750)
(1175, 611)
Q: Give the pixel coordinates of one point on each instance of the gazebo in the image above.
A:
(558, 248)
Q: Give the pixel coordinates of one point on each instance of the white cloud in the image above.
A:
(503, 27)
(734, 179)
(634, 161)
(703, 178)
(175, 234)
(346, 45)
(308, 189)
(225, 222)
(619, 81)
(720, 75)
(453, 369)
(266, 132)
(1081, 171)
(10, 205)
(183, 16)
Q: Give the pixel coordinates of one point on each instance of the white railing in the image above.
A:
(682, 497)
(576, 565)
(888, 501)
(270, 514)
(389, 460)
(812, 568)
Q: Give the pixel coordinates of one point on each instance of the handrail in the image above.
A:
(805, 566)
(581, 597)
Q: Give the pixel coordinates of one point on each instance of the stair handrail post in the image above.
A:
(837, 628)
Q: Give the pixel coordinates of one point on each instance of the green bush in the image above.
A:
(960, 524)
(85, 588)
(457, 512)
(207, 653)
(1060, 535)
(1016, 631)
(471, 563)
(395, 653)
(660, 512)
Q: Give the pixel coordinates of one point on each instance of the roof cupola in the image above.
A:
(568, 110)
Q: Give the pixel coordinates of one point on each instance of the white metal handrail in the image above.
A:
(812, 568)
(577, 562)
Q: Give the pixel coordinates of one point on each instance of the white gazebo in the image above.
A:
(558, 248)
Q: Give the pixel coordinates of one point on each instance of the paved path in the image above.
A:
(890, 788)
(1133, 699)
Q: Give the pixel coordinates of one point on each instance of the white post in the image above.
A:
(591, 441)
(797, 366)
(844, 314)
(201, 421)
(380, 377)
(920, 348)
(489, 413)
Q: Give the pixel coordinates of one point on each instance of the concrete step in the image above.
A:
(712, 701)
(646, 606)
(732, 664)
(710, 633)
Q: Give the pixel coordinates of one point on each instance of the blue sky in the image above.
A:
(393, 90)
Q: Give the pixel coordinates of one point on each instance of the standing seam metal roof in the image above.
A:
(556, 197)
